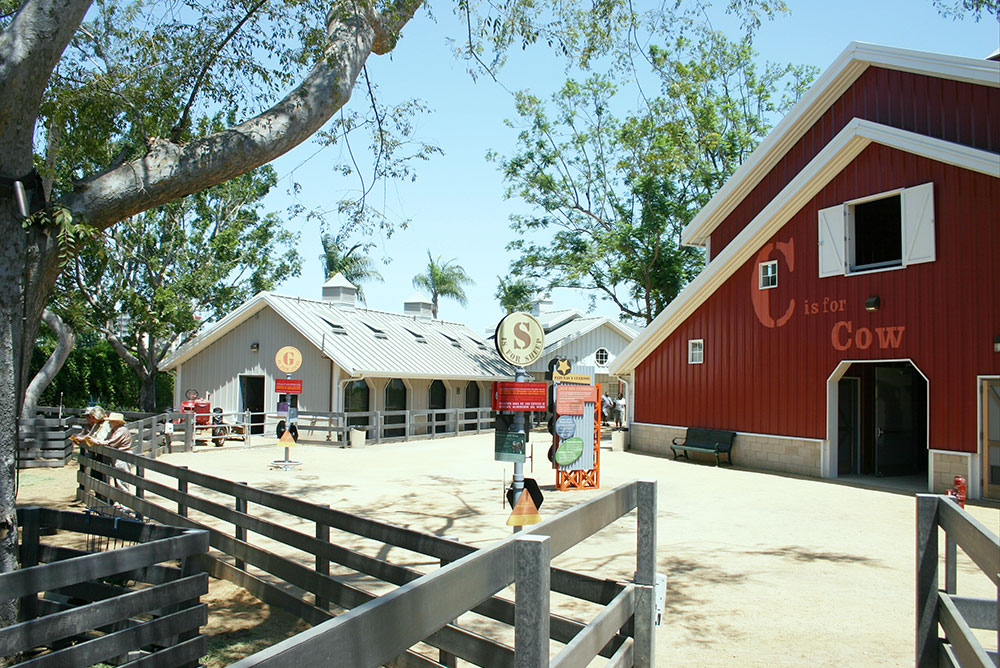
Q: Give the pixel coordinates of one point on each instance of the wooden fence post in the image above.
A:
(182, 487)
(322, 563)
(531, 601)
(241, 532)
(645, 574)
(927, 581)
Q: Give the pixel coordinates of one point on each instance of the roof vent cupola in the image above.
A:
(418, 306)
(340, 291)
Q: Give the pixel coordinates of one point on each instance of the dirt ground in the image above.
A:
(763, 569)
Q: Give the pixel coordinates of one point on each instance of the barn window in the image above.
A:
(356, 400)
(888, 230)
(696, 351)
(601, 357)
(768, 274)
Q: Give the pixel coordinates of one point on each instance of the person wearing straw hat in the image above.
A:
(120, 439)
(96, 426)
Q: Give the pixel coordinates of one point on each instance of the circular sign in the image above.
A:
(569, 451)
(520, 339)
(565, 426)
(288, 359)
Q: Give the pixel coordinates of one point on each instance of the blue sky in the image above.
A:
(456, 207)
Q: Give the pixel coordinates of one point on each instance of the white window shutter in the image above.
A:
(918, 224)
(832, 241)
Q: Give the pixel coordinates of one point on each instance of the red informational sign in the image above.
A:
(520, 397)
(287, 386)
(570, 398)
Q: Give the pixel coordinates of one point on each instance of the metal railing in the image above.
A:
(468, 580)
(956, 615)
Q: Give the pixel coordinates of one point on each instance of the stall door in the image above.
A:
(991, 439)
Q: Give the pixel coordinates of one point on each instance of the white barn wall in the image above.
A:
(217, 368)
(581, 350)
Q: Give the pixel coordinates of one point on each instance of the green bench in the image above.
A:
(715, 441)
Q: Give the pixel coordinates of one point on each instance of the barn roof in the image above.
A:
(367, 342)
(845, 70)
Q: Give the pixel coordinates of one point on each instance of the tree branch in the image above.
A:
(66, 340)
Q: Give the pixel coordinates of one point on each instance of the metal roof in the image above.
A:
(366, 342)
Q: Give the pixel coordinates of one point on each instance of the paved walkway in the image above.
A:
(763, 569)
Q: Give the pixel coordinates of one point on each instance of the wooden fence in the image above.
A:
(41, 442)
(79, 608)
(956, 615)
(254, 522)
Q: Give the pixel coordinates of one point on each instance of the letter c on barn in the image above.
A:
(838, 343)
(761, 299)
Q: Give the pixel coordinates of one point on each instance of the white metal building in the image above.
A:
(353, 359)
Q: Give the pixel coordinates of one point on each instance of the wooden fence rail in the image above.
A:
(79, 608)
(956, 615)
(181, 497)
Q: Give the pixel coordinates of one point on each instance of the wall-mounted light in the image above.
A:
(873, 303)
(996, 344)
(255, 347)
(458, 390)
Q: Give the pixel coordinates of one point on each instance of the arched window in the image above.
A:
(601, 357)
(438, 400)
(356, 400)
(471, 401)
(395, 400)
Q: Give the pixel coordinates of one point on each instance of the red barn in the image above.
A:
(848, 321)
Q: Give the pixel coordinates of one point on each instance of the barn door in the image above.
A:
(894, 428)
(991, 439)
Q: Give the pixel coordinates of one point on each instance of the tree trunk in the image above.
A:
(147, 392)
(52, 365)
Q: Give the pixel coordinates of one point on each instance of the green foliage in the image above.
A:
(515, 293)
(957, 9)
(443, 279)
(611, 194)
(70, 235)
(96, 374)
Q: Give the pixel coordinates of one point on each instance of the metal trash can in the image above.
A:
(618, 441)
(358, 438)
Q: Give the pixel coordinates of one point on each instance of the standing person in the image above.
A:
(619, 411)
(120, 439)
(607, 405)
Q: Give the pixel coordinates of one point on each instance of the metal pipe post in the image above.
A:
(520, 376)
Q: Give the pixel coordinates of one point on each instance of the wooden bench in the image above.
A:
(715, 441)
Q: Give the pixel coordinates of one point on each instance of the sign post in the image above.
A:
(520, 340)
(288, 360)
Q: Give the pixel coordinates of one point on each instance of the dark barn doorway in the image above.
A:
(882, 420)
(252, 397)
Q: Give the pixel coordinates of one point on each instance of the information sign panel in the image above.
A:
(570, 398)
(565, 426)
(508, 446)
(519, 397)
(569, 451)
(288, 359)
(287, 386)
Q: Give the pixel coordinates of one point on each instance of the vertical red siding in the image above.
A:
(955, 111)
(773, 381)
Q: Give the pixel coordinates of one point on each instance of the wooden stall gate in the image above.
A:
(80, 608)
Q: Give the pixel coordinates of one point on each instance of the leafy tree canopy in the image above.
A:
(611, 193)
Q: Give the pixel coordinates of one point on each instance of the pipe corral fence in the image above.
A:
(956, 615)
(424, 607)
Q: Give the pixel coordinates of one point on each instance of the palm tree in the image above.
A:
(354, 264)
(443, 279)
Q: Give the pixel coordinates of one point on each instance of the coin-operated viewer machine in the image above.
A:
(520, 340)
(288, 360)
